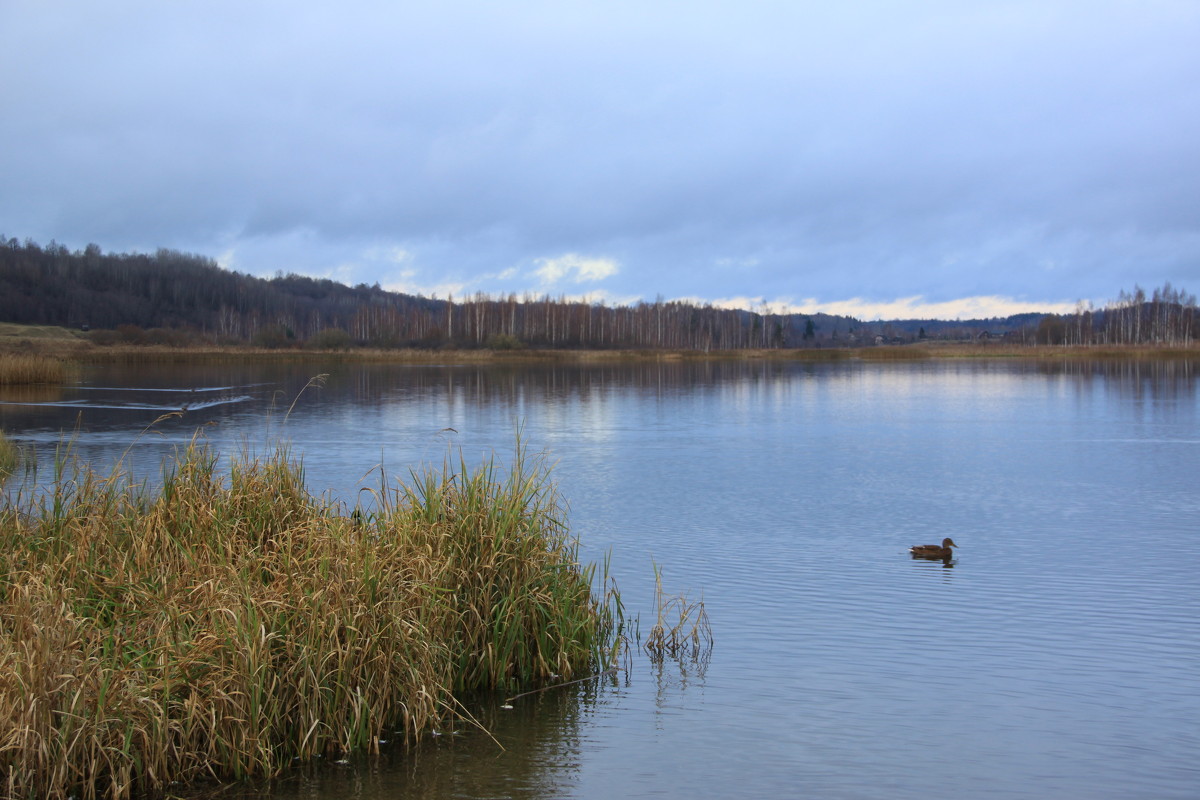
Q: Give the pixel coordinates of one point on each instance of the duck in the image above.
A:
(933, 550)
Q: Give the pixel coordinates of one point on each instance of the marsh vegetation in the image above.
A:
(231, 622)
(16, 369)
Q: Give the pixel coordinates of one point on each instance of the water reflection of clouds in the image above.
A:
(591, 417)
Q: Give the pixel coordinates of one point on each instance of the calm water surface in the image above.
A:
(1057, 656)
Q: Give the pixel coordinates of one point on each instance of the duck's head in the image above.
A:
(948, 543)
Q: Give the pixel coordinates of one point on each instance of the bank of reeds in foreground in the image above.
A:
(224, 626)
(20, 369)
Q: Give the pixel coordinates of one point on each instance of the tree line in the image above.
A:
(170, 297)
(173, 297)
(1167, 316)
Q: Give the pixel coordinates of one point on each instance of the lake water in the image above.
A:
(1058, 655)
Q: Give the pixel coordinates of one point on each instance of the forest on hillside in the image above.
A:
(170, 297)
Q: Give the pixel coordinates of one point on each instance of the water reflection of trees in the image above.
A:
(1139, 380)
(511, 383)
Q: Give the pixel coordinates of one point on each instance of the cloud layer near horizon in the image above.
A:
(973, 156)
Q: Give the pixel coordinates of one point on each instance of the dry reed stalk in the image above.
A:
(681, 628)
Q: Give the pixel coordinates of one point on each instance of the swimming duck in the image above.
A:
(933, 550)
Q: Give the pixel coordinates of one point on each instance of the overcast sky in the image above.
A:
(874, 158)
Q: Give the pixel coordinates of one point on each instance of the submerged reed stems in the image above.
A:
(681, 627)
(231, 622)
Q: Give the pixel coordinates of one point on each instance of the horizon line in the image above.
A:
(912, 307)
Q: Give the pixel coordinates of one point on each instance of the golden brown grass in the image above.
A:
(15, 332)
(230, 621)
(893, 353)
(16, 369)
(1059, 352)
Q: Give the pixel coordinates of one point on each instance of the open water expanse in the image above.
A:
(1057, 656)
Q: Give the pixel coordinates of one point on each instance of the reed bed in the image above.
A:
(1056, 352)
(24, 369)
(230, 622)
(822, 354)
(893, 353)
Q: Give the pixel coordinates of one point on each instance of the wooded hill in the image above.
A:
(180, 298)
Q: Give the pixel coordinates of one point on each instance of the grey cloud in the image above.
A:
(873, 148)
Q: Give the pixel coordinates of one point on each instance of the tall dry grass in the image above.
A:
(231, 622)
(18, 368)
(9, 457)
(893, 353)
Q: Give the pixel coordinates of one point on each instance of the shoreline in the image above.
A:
(72, 347)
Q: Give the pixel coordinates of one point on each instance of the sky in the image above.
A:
(878, 159)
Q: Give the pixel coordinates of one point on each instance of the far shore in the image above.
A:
(65, 345)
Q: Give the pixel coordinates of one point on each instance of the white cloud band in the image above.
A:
(575, 268)
(915, 307)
